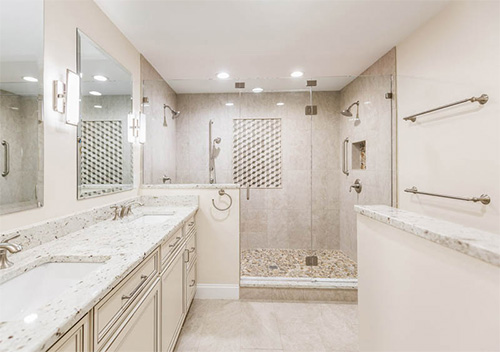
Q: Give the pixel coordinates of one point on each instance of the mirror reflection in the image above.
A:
(105, 155)
(21, 89)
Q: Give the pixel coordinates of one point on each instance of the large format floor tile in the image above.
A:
(248, 326)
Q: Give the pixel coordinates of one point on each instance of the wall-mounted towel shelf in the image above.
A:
(483, 99)
(484, 198)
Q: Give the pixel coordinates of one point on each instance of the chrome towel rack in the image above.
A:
(223, 193)
(484, 198)
(483, 99)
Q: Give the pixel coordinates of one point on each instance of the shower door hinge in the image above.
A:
(312, 260)
(388, 95)
(311, 110)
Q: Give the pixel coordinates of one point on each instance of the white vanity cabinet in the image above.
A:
(144, 311)
(140, 330)
(77, 339)
(172, 301)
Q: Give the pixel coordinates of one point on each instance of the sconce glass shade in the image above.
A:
(72, 98)
(142, 128)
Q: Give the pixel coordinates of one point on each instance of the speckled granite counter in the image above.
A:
(120, 244)
(475, 243)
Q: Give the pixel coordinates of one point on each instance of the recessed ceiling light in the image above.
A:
(30, 79)
(257, 90)
(229, 104)
(100, 78)
(93, 92)
(223, 75)
(98, 106)
(280, 104)
(297, 74)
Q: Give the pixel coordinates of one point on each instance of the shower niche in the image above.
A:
(359, 155)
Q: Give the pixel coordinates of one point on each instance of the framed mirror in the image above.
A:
(105, 157)
(21, 97)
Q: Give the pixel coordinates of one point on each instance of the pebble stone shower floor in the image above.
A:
(291, 263)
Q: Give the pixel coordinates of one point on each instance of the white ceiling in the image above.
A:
(194, 40)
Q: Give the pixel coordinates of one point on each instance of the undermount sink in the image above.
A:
(152, 219)
(24, 294)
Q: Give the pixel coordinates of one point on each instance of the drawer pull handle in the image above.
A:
(192, 283)
(187, 251)
(191, 223)
(192, 249)
(143, 279)
(175, 243)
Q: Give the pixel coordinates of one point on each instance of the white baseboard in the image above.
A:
(217, 291)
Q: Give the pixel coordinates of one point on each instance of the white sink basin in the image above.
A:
(21, 296)
(152, 219)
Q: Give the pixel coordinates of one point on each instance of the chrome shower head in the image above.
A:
(175, 113)
(347, 112)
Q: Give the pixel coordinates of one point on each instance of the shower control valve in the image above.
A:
(357, 186)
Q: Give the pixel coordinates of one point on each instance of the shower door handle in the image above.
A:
(345, 170)
(6, 169)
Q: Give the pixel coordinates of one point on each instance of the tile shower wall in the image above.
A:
(272, 218)
(376, 128)
(114, 108)
(159, 137)
(20, 128)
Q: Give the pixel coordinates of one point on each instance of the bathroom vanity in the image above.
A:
(135, 298)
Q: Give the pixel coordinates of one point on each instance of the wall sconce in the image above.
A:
(136, 128)
(66, 98)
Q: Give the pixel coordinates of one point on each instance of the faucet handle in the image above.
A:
(11, 238)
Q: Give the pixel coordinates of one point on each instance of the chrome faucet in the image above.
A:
(123, 210)
(127, 207)
(8, 247)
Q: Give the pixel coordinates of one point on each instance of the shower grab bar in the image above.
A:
(483, 99)
(6, 146)
(344, 161)
(484, 198)
(223, 193)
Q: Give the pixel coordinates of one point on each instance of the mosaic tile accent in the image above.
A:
(102, 152)
(257, 152)
(291, 263)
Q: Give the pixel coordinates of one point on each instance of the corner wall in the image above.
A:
(454, 56)
(62, 18)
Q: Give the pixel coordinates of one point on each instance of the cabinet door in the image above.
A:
(75, 340)
(172, 302)
(140, 330)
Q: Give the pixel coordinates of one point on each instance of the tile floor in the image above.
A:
(248, 326)
(269, 262)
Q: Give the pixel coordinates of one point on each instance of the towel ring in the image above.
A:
(223, 193)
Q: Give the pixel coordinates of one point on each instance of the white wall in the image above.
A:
(62, 18)
(416, 295)
(218, 241)
(454, 56)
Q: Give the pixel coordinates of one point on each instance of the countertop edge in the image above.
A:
(475, 243)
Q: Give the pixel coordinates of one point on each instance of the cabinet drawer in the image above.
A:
(189, 226)
(75, 340)
(190, 255)
(110, 310)
(190, 285)
(167, 248)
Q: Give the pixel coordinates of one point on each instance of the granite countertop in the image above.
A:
(119, 244)
(479, 244)
(193, 185)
